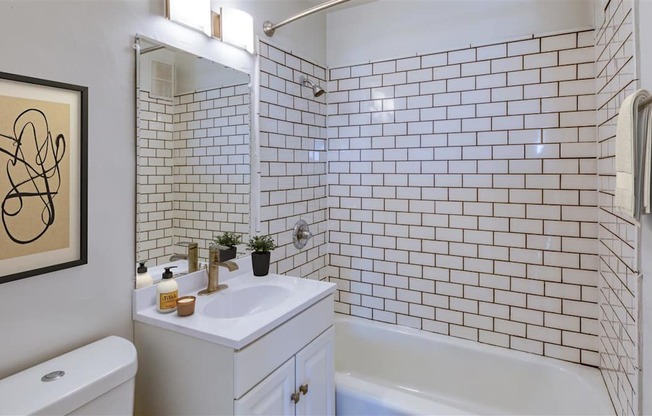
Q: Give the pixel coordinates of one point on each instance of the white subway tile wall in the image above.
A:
(463, 194)
(293, 160)
(193, 170)
(618, 266)
(211, 165)
(154, 173)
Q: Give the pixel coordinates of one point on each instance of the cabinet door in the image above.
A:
(316, 371)
(271, 396)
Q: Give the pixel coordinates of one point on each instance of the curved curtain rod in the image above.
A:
(269, 28)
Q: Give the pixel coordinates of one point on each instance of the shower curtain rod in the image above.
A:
(269, 28)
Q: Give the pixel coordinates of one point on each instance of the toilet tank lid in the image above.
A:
(90, 371)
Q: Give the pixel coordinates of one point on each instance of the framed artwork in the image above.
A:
(43, 176)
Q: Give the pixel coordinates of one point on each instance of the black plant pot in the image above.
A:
(228, 254)
(260, 262)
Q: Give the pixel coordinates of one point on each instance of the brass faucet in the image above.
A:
(214, 265)
(191, 255)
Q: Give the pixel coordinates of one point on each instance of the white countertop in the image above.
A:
(231, 332)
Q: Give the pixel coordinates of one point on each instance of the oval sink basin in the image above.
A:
(246, 301)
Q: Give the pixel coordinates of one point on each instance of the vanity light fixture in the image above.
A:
(192, 13)
(232, 26)
(235, 27)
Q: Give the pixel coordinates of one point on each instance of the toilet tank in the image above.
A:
(98, 379)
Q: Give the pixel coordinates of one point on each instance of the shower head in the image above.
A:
(316, 89)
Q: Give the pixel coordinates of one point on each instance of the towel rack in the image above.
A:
(645, 103)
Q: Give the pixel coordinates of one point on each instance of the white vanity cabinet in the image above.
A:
(180, 374)
(303, 385)
(271, 396)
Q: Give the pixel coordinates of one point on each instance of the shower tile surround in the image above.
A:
(462, 193)
(618, 240)
(193, 170)
(293, 160)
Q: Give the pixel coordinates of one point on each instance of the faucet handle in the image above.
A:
(301, 234)
(214, 252)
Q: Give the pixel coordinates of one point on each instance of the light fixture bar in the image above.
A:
(269, 28)
(237, 28)
(192, 13)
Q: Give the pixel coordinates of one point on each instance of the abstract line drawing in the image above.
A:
(34, 176)
(43, 176)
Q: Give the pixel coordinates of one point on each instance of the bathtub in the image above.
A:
(384, 369)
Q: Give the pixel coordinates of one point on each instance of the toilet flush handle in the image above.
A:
(53, 376)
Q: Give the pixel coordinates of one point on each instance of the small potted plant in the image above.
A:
(230, 240)
(261, 246)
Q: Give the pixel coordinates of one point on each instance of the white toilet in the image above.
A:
(97, 379)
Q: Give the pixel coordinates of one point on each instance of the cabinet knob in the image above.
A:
(295, 397)
(304, 388)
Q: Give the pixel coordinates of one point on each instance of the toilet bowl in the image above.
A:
(96, 379)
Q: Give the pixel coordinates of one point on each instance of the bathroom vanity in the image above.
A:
(263, 346)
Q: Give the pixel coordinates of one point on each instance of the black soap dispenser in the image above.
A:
(143, 278)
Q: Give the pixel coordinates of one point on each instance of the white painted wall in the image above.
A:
(644, 39)
(90, 43)
(395, 28)
(87, 44)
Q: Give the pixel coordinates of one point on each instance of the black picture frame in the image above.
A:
(50, 176)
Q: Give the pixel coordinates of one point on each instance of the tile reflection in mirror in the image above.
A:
(193, 169)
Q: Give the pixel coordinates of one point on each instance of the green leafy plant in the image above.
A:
(228, 239)
(261, 243)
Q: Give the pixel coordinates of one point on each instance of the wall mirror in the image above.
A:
(193, 149)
